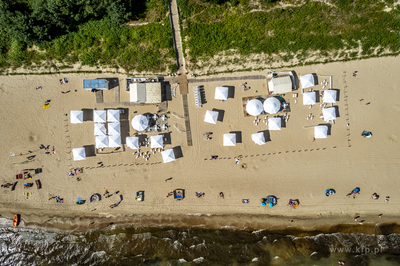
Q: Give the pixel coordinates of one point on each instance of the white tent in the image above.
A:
(99, 129)
(79, 154)
(211, 117)
(156, 141)
(272, 105)
(76, 117)
(230, 139)
(329, 96)
(140, 122)
(254, 107)
(99, 116)
(101, 142)
(329, 114)
(307, 81)
(114, 129)
(168, 155)
(274, 123)
(132, 142)
(320, 132)
(309, 98)
(280, 85)
(258, 138)
(113, 115)
(114, 141)
(221, 93)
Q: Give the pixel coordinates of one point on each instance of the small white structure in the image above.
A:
(309, 98)
(321, 132)
(168, 155)
(79, 154)
(76, 117)
(221, 93)
(99, 116)
(307, 81)
(274, 123)
(100, 129)
(329, 114)
(114, 129)
(157, 141)
(272, 105)
(101, 142)
(258, 138)
(114, 141)
(140, 122)
(329, 96)
(230, 139)
(211, 117)
(254, 107)
(145, 92)
(132, 142)
(280, 85)
(113, 116)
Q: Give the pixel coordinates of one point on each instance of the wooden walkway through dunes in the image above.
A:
(187, 120)
(226, 79)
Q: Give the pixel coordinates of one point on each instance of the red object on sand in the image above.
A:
(15, 220)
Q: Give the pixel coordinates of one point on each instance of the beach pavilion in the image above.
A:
(321, 132)
(168, 155)
(140, 122)
(113, 116)
(211, 117)
(230, 139)
(114, 141)
(272, 105)
(101, 142)
(329, 96)
(307, 81)
(221, 93)
(76, 117)
(79, 154)
(329, 114)
(114, 129)
(254, 107)
(274, 123)
(99, 129)
(132, 142)
(99, 116)
(156, 141)
(309, 98)
(258, 138)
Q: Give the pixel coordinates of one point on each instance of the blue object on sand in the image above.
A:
(357, 189)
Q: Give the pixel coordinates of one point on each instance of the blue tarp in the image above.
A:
(94, 83)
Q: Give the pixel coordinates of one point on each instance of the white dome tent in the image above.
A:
(230, 139)
(99, 116)
(254, 107)
(79, 154)
(156, 141)
(113, 116)
(329, 114)
(211, 117)
(76, 117)
(309, 98)
(101, 142)
(274, 123)
(100, 129)
(114, 141)
(329, 96)
(132, 142)
(320, 132)
(168, 155)
(114, 129)
(258, 138)
(307, 81)
(140, 122)
(221, 93)
(272, 105)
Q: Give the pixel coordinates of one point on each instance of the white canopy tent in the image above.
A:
(309, 98)
(100, 129)
(114, 129)
(156, 141)
(114, 141)
(76, 117)
(329, 114)
(221, 93)
(230, 139)
(211, 117)
(254, 107)
(272, 105)
(113, 116)
(79, 154)
(101, 142)
(168, 155)
(274, 123)
(258, 138)
(99, 116)
(329, 96)
(280, 85)
(320, 132)
(132, 142)
(307, 81)
(140, 122)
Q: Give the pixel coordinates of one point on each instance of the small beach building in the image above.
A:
(76, 117)
(99, 116)
(221, 93)
(114, 129)
(274, 123)
(132, 142)
(307, 81)
(140, 122)
(329, 96)
(168, 155)
(156, 141)
(272, 105)
(101, 142)
(258, 138)
(329, 114)
(254, 107)
(230, 139)
(113, 116)
(97, 84)
(114, 141)
(145, 92)
(321, 132)
(79, 154)
(211, 117)
(309, 98)
(100, 129)
(280, 85)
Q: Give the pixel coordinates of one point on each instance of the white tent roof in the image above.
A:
(140, 122)
(114, 141)
(113, 115)
(132, 142)
(320, 132)
(114, 129)
(280, 85)
(99, 116)
(168, 155)
(99, 129)
(309, 98)
(254, 107)
(230, 139)
(76, 117)
(258, 138)
(329, 96)
(156, 141)
(274, 123)
(329, 114)
(221, 93)
(211, 117)
(101, 142)
(79, 154)
(272, 105)
(307, 81)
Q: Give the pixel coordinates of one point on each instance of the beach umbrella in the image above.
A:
(221, 93)
(140, 122)
(132, 142)
(309, 98)
(99, 116)
(307, 81)
(272, 105)
(114, 141)
(76, 117)
(230, 139)
(100, 129)
(321, 132)
(79, 154)
(274, 123)
(156, 141)
(168, 155)
(101, 142)
(254, 107)
(113, 115)
(258, 138)
(329, 114)
(329, 96)
(211, 117)
(114, 129)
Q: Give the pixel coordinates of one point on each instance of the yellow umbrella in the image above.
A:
(46, 105)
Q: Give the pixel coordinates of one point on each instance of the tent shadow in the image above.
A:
(177, 152)
(87, 114)
(167, 138)
(90, 150)
(267, 135)
(221, 114)
(336, 110)
(231, 91)
(329, 127)
(125, 129)
(238, 136)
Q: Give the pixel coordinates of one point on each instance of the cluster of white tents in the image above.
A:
(113, 138)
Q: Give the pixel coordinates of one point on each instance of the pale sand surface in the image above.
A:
(288, 166)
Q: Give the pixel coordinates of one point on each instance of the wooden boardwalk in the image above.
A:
(183, 87)
(99, 96)
(225, 79)
(116, 95)
(187, 120)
